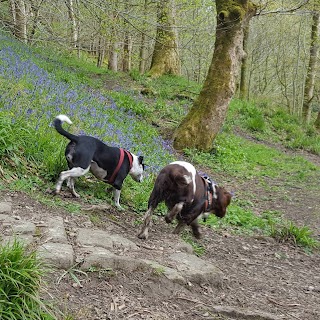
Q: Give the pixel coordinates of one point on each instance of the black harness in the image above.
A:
(210, 194)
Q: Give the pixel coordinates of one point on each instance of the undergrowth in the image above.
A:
(21, 275)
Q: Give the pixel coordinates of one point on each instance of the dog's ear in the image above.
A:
(140, 158)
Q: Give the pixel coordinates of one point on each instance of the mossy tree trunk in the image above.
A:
(165, 58)
(243, 86)
(317, 122)
(311, 74)
(206, 117)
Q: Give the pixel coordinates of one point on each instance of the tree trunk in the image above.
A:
(113, 57)
(101, 51)
(243, 86)
(127, 43)
(317, 123)
(206, 117)
(12, 8)
(126, 65)
(165, 58)
(20, 27)
(73, 23)
(311, 73)
(35, 8)
(143, 49)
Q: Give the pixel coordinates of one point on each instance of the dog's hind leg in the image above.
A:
(72, 173)
(154, 199)
(144, 233)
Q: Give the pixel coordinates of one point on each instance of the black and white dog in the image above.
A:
(187, 195)
(109, 164)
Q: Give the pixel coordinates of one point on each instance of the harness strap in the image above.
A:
(120, 162)
(208, 194)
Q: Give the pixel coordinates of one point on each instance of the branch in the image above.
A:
(299, 6)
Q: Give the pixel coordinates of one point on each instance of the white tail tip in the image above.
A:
(64, 118)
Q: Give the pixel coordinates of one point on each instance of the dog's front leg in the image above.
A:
(116, 196)
(144, 233)
(193, 213)
(173, 212)
(180, 226)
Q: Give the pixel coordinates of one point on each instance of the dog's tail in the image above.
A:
(57, 123)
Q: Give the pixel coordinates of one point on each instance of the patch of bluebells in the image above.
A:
(33, 93)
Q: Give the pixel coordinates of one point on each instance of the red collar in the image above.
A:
(121, 158)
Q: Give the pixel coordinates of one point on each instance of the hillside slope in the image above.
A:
(258, 277)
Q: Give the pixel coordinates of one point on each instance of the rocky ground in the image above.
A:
(106, 272)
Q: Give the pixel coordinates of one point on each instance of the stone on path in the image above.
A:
(103, 239)
(59, 255)
(197, 270)
(5, 207)
(56, 231)
(103, 258)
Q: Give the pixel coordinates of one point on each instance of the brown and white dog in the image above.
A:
(187, 195)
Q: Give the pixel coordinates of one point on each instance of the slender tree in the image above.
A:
(165, 58)
(203, 122)
(312, 67)
(243, 86)
(317, 123)
(73, 23)
(143, 46)
(19, 19)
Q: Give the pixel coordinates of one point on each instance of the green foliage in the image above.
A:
(272, 124)
(20, 281)
(243, 158)
(288, 231)
(198, 249)
(129, 103)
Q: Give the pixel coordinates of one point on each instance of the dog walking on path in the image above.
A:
(109, 164)
(187, 195)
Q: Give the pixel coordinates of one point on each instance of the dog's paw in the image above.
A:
(143, 235)
(53, 192)
(120, 208)
(167, 219)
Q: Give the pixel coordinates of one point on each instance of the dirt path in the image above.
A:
(262, 279)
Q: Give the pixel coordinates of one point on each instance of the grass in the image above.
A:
(34, 89)
(21, 276)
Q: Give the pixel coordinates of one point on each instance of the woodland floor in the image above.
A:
(260, 274)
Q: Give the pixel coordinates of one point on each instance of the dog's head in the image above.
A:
(137, 169)
(220, 204)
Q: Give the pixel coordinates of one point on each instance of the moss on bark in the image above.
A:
(208, 113)
(165, 58)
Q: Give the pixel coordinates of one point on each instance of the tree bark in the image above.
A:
(19, 16)
(243, 86)
(317, 123)
(311, 73)
(208, 112)
(73, 23)
(113, 56)
(101, 51)
(35, 8)
(165, 58)
(143, 50)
